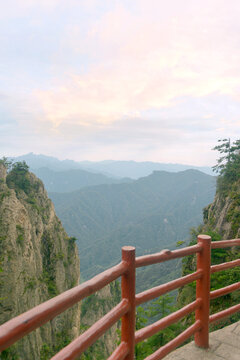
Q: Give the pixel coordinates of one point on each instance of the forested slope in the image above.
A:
(221, 221)
(71, 180)
(150, 213)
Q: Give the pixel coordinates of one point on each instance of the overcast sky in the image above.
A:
(134, 79)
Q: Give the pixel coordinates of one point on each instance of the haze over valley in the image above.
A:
(105, 213)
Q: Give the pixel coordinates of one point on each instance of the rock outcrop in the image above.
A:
(37, 261)
(221, 222)
(223, 215)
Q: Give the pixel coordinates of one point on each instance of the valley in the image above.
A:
(150, 213)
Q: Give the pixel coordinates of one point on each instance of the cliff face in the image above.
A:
(221, 222)
(37, 261)
(223, 215)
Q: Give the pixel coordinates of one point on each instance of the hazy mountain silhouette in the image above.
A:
(150, 213)
(119, 169)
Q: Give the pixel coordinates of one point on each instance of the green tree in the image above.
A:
(228, 164)
(154, 311)
(5, 162)
(231, 153)
(219, 280)
(18, 177)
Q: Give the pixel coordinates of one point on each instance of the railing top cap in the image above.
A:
(204, 237)
(128, 248)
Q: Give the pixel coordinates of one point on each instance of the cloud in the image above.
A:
(142, 63)
(149, 77)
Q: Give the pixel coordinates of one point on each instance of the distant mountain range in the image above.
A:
(110, 168)
(108, 204)
(135, 170)
(151, 213)
(71, 180)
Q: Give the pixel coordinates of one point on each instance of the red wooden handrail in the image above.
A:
(120, 353)
(225, 266)
(165, 288)
(166, 255)
(171, 345)
(224, 291)
(161, 324)
(224, 313)
(76, 347)
(225, 243)
(23, 324)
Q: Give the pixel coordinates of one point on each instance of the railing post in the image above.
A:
(203, 291)
(128, 292)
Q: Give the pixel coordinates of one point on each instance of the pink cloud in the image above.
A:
(148, 59)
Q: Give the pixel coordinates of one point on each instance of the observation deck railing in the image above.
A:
(25, 323)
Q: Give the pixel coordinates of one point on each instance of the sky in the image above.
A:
(144, 80)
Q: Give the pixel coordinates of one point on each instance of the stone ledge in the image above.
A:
(224, 344)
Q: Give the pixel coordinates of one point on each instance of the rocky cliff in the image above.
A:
(223, 215)
(37, 261)
(221, 220)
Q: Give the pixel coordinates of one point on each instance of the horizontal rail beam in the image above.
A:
(76, 347)
(224, 313)
(152, 329)
(225, 266)
(120, 353)
(23, 324)
(171, 345)
(224, 291)
(225, 243)
(164, 288)
(166, 255)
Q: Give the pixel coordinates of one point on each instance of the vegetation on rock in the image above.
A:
(221, 221)
(37, 261)
(228, 165)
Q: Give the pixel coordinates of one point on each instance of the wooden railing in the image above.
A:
(23, 324)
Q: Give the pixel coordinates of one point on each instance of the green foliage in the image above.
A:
(31, 200)
(6, 163)
(18, 177)
(95, 351)
(151, 213)
(233, 214)
(10, 354)
(228, 165)
(155, 310)
(30, 285)
(4, 194)
(179, 243)
(99, 304)
(48, 262)
(59, 256)
(20, 235)
(2, 239)
(71, 242)
(220, 279)
(48, 350)
(86, 303)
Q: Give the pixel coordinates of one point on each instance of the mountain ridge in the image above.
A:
(105, 217)
(112, 168)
